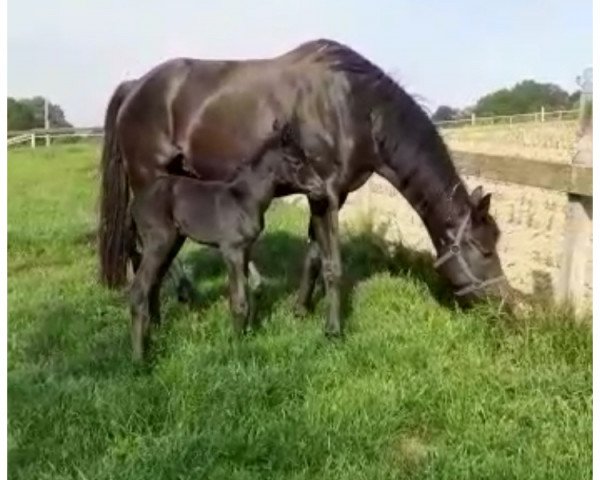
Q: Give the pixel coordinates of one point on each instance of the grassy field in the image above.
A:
(417, 390)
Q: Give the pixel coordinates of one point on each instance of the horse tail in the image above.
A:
(114, 222)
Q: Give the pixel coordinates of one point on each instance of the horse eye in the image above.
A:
(485, 252)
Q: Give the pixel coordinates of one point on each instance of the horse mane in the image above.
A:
(393, 111)
(392, 100)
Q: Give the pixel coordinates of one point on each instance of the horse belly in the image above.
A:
(222, 140)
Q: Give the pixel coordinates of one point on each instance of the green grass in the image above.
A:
(417, 390)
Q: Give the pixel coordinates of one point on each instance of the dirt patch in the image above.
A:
(550, 141)
(411, 450)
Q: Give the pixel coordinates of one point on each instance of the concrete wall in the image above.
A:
(549, 141)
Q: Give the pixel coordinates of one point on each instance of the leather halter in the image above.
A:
(454, 251)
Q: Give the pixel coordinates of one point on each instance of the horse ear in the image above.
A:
(477, 195)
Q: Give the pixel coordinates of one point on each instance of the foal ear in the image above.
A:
(286, 135)
(477, 195)
(276, 126)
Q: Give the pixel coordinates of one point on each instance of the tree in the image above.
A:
(28, 113)
(574, 98)
(19, 116)
(524, 97)
(444, 113)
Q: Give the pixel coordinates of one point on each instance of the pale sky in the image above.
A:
(75, 52)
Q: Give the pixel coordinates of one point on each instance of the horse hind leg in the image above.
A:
(184, 288)
(135, 256)
(311, 269)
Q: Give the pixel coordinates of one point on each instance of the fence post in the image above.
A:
(575, 270)
(473, 119)
(542, 114)
(33, 140)
(46, 120)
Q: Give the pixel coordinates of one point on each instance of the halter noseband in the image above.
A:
(455, 252)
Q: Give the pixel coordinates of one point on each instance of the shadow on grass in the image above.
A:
(279, 256)
(77, 336)
(99, 346)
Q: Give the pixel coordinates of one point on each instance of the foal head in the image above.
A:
(289, 164)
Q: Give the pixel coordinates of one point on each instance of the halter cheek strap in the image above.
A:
(455, 252)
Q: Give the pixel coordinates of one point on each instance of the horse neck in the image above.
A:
(418, 164)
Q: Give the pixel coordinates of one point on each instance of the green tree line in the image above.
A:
(527, 96)
(28, 113)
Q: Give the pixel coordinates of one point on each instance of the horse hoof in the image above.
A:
(187, 294)
(137, 357)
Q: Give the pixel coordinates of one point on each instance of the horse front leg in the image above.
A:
(311, 268)
(326, 231)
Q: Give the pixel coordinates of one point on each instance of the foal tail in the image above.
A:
(114, 199)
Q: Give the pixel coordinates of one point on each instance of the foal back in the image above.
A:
(182, 206)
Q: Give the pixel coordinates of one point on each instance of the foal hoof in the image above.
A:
(301, 310)
(334, 334)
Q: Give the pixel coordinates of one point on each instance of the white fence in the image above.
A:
(30, 136)
(541, 116)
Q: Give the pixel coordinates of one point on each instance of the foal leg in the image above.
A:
(254, 281)
(238, 287)
(157, 253)
(186, 293)
(154, 297)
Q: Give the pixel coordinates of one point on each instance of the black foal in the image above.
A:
(229, 216)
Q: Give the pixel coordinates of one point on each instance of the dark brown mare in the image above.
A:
(354, 120)
(227, 215)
